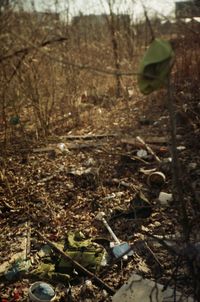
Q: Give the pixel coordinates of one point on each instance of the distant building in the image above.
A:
(187, 9)
(121, 20)
(45, 17)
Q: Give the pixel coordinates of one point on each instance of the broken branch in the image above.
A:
(77, 265)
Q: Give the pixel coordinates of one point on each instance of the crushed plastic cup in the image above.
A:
(156, 178)
(41, 292)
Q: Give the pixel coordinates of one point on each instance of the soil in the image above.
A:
(61, 183)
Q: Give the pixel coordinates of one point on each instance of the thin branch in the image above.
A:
(77, 265)
(25, 50)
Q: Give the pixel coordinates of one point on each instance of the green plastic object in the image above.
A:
(155, 67)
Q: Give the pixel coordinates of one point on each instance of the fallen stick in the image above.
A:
(77, 265)
(148, 149)
(136, 144)
(89, 136)
(121, 183)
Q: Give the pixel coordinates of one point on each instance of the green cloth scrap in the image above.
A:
(47, 271)
(155, 67)
(88, 253)
(54, 267)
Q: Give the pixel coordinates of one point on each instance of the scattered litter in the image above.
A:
(167, 160)
(181, 148)
(139, 289)
(165, 198)
(18, 262)
(41, 292)
(140, 206)
(113, 195)
(149, 149)
(89, 253)
(75, 264)
(20, 266)
(63, 148)
(85, 177)
(119, 249)
(142, 153)
(156, 179)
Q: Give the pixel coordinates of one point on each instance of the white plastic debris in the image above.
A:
(181, 148)
(165, 198)
(63, 148)
(137, 289)
(41, 291)
(142, 153)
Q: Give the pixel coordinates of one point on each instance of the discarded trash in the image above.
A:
(145, 290)
(113, 195)
(142, 153)
(63, 148)
(21, 245)
(77, 265)
(140, 206)
(18, 267)
(119, 249)
(139, 289)
(156, 179)
(181, 148)
(155, 67)
(88, 253)
(41, 292)
(165, 198)
(149, 149)
(85, 177)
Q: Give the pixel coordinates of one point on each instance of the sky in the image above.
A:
(133, 7)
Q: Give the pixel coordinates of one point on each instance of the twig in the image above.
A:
(161, 242)
(154, 256)
(148, 148)
(77, 265)
(25, 50)
(28, 240)
(148, 23)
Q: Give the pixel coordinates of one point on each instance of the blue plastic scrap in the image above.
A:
(44, 292)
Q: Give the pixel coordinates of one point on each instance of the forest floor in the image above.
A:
(60, 184)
